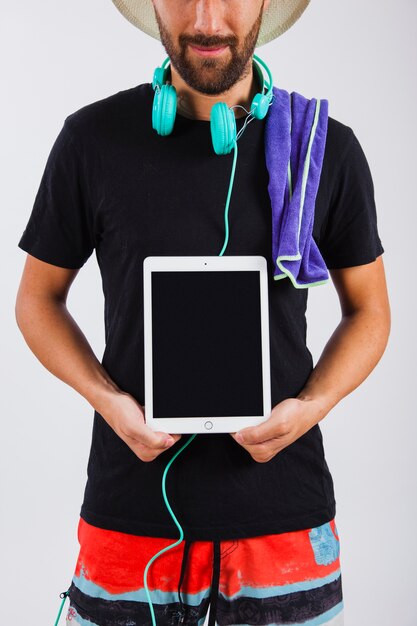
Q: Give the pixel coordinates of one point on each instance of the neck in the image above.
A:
(196, 105)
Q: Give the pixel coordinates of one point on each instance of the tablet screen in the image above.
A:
(206, 344)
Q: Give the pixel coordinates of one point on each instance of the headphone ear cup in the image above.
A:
(164, 109)
(259, 106)
(223, 128)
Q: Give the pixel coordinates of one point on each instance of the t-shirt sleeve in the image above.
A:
(60, 227)
(351, 233)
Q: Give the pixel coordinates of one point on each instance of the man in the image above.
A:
(258, 512)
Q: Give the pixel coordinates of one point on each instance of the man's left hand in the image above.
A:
(288, 421)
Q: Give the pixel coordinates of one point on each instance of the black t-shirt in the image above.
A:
(112, 184)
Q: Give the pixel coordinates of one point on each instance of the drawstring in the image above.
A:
(214, 583)
(62, 595)
(187, 545)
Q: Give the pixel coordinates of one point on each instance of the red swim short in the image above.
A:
(289, 578)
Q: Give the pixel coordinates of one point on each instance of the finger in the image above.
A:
(249, 438)
(148, 451)
(261, 452)
(262, 433)
(264, 452)
(161, 439)
(144, 436)
(145, 453)
(164, 439)
(169, 440)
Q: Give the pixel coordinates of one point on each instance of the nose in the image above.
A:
(209, 16)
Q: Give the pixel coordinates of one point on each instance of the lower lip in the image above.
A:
(208, 53)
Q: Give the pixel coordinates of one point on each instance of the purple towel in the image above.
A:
(295, 132)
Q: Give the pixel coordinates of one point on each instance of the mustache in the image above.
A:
(203, 41)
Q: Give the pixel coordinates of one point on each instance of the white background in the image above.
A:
(58, 56)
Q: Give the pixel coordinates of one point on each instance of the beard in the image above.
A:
(211, 76)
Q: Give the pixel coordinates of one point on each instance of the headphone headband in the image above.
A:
(269, 85)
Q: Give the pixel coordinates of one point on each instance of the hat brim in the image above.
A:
(279, 17)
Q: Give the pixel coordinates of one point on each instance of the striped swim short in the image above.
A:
(289, 578)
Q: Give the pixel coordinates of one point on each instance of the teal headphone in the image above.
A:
(222, 118)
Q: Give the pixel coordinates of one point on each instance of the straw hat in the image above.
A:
(279, 17)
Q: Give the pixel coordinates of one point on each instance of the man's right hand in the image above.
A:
(58, 342)
(127, 418)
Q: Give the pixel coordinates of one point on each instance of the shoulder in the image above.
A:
(339, 136)
(344, 161)
(114, 111)
(339, 139)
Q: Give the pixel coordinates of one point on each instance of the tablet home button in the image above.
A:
(208, 425)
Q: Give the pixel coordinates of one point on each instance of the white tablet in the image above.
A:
(206, 343)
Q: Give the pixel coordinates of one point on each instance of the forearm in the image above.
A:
(58, 342)
(349, 356)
